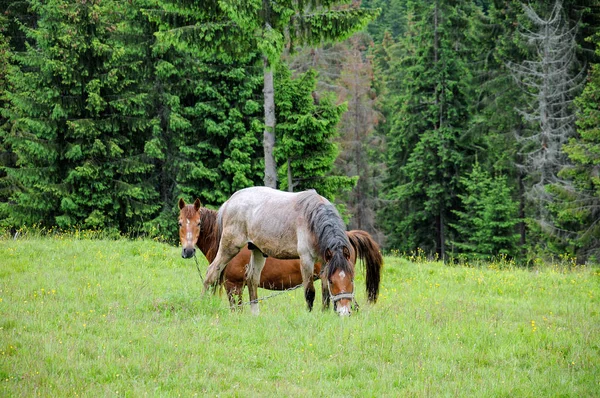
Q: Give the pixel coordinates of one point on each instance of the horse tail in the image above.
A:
(368, 251)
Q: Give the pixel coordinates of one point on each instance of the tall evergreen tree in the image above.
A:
(291, 23)
(486, 225)
(77, 121)
(497, 121)
(270, 28)
(205, 112)
(432, 69)
(306, 133)
(391, 20)
(6, 156)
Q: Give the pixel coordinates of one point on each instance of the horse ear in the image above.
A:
(197, 204)
(328, 255)
(181, 203)
(346, 251)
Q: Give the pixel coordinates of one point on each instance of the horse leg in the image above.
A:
(255, 267)
(325, 298)
(234, 294)
(224, 255)
(307, 264)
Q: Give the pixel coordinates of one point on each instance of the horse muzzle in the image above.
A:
(343, 310)
(188, 252)
(342, 303)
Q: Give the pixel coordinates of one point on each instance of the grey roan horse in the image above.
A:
(285, 225)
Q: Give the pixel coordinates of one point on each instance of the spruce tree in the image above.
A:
(486, 225)
(497, 121)
(77, 121)
(431, 115)
(205, 113)
(269, 28)
(391, 20)
(6, 155)
(306, 133)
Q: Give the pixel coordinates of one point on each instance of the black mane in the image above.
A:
(328, 227)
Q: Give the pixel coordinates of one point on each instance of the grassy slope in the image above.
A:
(97, 318)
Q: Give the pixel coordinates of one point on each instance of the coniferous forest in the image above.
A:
(462, 129)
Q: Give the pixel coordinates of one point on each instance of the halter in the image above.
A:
(343, 295)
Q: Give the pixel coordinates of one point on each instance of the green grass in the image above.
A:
(93, 318)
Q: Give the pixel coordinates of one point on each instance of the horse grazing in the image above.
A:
(276, 274)
(285, 225)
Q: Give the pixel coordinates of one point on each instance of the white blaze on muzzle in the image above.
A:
(189, 235)
(341, 310)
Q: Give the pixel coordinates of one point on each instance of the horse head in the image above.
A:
(189, 227)
(340, 279)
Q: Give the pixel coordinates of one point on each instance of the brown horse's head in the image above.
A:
(340, 279)
(189, 227)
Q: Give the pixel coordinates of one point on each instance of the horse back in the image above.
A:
(269, 219)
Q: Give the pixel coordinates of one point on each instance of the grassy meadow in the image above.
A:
(93, 317)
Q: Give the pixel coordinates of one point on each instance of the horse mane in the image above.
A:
(327, 226)
(210, 232)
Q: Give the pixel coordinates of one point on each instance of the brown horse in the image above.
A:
(198, 227)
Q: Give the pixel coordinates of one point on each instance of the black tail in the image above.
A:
(368, 251)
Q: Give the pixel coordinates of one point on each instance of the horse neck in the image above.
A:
(208, 240)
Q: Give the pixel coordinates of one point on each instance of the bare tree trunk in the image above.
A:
(270, 179)
(522, 225)
(289, 176)
(357, 155)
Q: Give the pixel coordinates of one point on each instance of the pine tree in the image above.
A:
(205, 136)
(279, 26)
(497, 121)
(431, 114)
(6, 156)
(306, 134)
(77, 121)
(391, 20)
(486, 226)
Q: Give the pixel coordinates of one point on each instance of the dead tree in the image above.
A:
(551, 81)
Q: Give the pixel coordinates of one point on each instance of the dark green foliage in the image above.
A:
(77, 121)
(7, 158)
(392, 18)
(306, 131)
(425, 151)
(205, 116)
(271, 27)
(115, 110)
(487, 226)
(204, 35)
(110, 111)
(16, 13)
